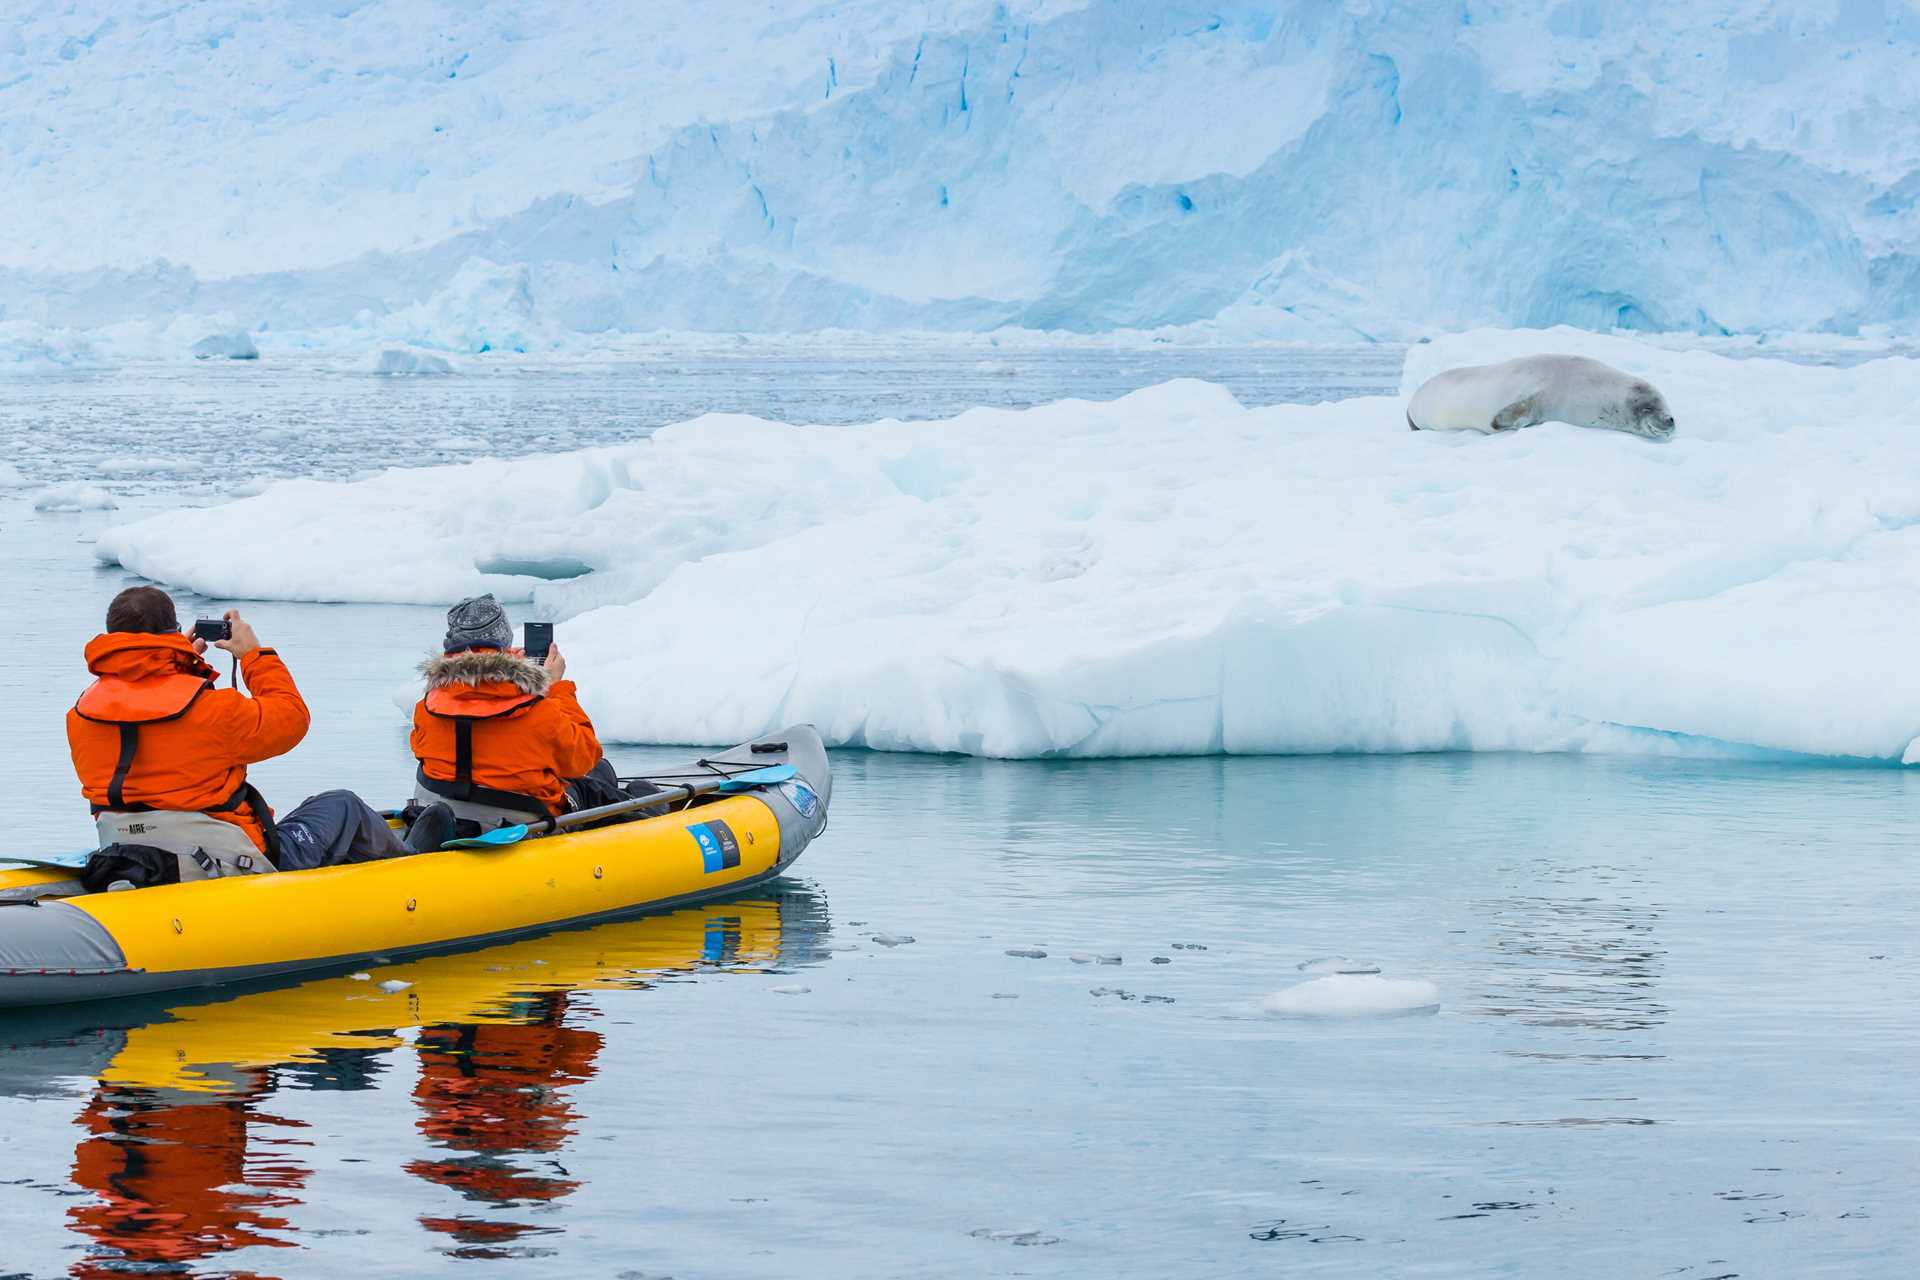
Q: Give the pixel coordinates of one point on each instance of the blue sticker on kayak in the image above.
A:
(718, 849)
(804, 802)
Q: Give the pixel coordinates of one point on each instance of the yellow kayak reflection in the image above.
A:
(185, 1159)
(214, 1047)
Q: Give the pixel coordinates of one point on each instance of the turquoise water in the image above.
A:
(1674, 1031)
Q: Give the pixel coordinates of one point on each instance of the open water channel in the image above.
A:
(1675, 1035)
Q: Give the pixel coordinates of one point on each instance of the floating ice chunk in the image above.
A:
(893, 939)
(235, 345)
(1095, 957)
(143, 466)
(1027, 953)
(360, 977)
(393, 985)
(75, 495)
(1337, 964)
(399, 362)
(1027, 1238)
(1353, 995)
(459, 444)
(790, 990)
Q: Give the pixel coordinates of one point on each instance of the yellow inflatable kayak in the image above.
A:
(55, 950)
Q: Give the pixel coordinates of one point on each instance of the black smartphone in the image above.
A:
(539, 639)
(211, 629)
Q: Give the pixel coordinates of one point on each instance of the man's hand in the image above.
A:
(555, 664)
(243, 641)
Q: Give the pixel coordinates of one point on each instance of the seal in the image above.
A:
(1535, 389)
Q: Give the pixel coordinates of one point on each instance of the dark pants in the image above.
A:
(602, 786)
(335, 827)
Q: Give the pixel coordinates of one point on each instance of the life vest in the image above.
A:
(131, 704)
(464, 707)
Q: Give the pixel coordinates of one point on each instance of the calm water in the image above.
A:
(1675, 1035)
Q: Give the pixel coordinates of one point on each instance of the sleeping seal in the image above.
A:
(1535, 389)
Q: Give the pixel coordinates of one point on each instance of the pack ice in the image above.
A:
(1175, 573)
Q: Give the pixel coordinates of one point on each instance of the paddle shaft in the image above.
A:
(677, 791)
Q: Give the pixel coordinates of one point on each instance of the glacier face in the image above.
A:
(1174, 573)
(484, 176)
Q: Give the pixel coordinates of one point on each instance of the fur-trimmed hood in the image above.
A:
(476, 667)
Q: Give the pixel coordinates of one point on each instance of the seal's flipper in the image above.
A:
(1521, 413)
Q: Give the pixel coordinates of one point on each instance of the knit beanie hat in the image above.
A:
(478, 623)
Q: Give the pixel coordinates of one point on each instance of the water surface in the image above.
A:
(1673, 1037)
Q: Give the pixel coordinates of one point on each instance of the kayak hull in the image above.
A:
(210, 932)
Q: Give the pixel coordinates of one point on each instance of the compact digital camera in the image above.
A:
(211, 629)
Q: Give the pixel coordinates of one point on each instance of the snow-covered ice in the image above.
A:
(74, 496)
(1172, 572)
(1353, 995)
(487, 177)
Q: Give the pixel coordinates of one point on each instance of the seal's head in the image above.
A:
(1647, 412)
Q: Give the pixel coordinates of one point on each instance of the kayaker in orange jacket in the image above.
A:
(162, 754)
(529, 749)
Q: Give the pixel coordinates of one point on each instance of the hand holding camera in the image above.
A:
(229, 631)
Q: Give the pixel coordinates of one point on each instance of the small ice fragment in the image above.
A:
(1027, 953)
(361, 977)
(790, 990)
(893, 939)
(392, 985)
(235, 345)
(1005, 995)
(1162, 960)
(1353, 995)
(1095, 957)
(844, 946)
(459, 444)
(1014, 1237)
(1189, 946)
(1337, 964)
(74, 496)
(1156, 999)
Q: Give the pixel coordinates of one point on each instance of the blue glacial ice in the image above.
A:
(1334, 169)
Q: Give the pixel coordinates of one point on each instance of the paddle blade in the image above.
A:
(498, 838)
(758, 778)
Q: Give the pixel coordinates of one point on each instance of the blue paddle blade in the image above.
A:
(493, 839)
(758, 778)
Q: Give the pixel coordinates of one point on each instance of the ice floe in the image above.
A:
(75, 495)
(1353, 995)
(1172, 572)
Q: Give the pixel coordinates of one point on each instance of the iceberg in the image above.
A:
(1329, 168)
(235, 345)
(1173, 572)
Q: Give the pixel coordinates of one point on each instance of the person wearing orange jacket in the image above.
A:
(162, 754)
(500, 738)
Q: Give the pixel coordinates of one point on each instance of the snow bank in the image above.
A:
(1172, 572)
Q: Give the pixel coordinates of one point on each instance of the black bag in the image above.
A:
(140, 865)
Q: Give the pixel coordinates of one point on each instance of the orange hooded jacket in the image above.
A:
(194, 742)
(529, 734)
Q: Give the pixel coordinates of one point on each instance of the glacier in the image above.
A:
(496, 178)
(1172, 572)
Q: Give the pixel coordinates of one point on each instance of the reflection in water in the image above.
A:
(1586, 961)
(491, 1092)
(179, 1178)
(185, 1163)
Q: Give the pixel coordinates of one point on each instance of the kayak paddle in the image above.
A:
(501, 837)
